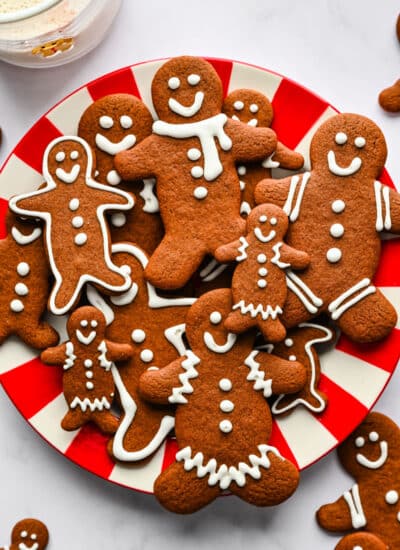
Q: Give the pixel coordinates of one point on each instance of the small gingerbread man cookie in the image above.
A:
(73, 205)
(372, 456)
(29, 534)
(361, 541)
(259, 281)
(88, 381)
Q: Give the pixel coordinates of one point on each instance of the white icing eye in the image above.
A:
(60, 156)
(360, 142)
(254, 108)
(33, 536)
(360, 442)
(24, 534)
(174, 83)
(392, 497)
(106, 122)
(126, 122)
(126, 270)
(84, 323)
(93, 324)
(74, 155)
(341, 138)
(273, 221)
(215, 317)
(238, 105)
(193, 79)
(262, 219)
(373, 436)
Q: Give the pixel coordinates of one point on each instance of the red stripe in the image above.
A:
(295, 112)
(343, 412)
(388, 273)
(89, 450)
(32, 386)
(3, 212)
(383, 354)
(31, 148)
(171, 448)
(277, 440)
(117, 82)
(224, 70)
(386, 179)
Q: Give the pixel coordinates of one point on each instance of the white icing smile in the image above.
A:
(223, 348)
(349, 170)
(262, 238)
(374, 464)
(68, 177)
(23, 546)
(252, 122)
(112, 148)
(190, 111)
(86, 340)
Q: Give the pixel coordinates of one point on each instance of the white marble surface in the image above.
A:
(344, 51)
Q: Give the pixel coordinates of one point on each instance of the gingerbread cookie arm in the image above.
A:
(296, 258)
(157, 386)
(249, 143)
(280, 375)
(55, 355)
(139, 162)
(118, 352)
(114, 196)
(336, 516)
(30, 204)
(274, 191)
(235, 250)
(288, 159)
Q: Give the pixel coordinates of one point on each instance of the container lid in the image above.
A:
(15, 10)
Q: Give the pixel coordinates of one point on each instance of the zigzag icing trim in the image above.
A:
(96, 404)
(257, 376)
(277, 258)
(70, 357)
(242, 249)
(188, 365)
(104, 362)
(265, 313)
(223, 474)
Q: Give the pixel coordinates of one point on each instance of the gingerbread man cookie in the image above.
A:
(87, 358)
(255, 109)
(112, 124)
(223, 421)
(24, 285)
(192, 154)
(372, 456)
(73, 206)
(29, 534)
(259, 281)
(361, 541)
(338, 212)
(153, 326)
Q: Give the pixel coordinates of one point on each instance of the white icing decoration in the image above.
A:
(190, 372)
(103, 361)
(118, 220)
(127, 297)
(200, 193)
(269, 163)
(206, 130)
(96, 300)
(146, 356)
(219, 348)
(334, 255)
(241, 170)
(151, 204)
(74, 155)
(93, 323)
(33, 536)
(254, 108)
(337, 230)
(292, 358)
(262, 218)
(252, 122)
(360, 142)
(258, 376)
(234, 117)
(138, 335)
(88, 363)
(264, 238)
(106, 122)
(289, 342)
(310, 301)
(245, 208)
(23, 269)
(242, 185)
(194, 154)
(242, 249)
(209, 273)
(261, 283)
(349, 170)
(341, 138)
(184, 111)
(238, 105)
(77, 222)
(193, 79)
(225, 426)
(84, 323)
(263, 271)
(60, 156)
(68, 177)
(126, 122)
(261, 258)
(265, 312)
(22, 239)
(273, 221)
(276, 259)
(69, 356)
(113, 178)
(293, 213)
(23, 546)
(89, 374)
(174, 83)
(215, 317)
(225, 384)
(80, 239)
(374, 464)
(16, 306)
(223, 475)
(226, 406)
(24, 534)
(374, 437)
(360, 442)
(338, 206)
(174, 335)
(85, 340)
(197, 172)
(353, 501)
(21, 289)
(73, 204)
(382, 192)
(111, 148)
(89, 385)
(392, 497)
(339, 305)
(93, 405)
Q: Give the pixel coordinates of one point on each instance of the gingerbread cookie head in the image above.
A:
(249, 106)
(66, 159)
(86, 326)
(186, 89)
(268, 223)
(29, 534)
(347, 145)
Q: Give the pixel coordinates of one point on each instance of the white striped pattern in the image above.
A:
(246, 76)
(17, 177)
(15, 353)
(143, 75)
(392, 293)
(66, 115)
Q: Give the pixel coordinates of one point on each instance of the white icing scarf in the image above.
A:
(206, 130)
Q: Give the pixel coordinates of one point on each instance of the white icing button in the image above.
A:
(80, 239)
(126, 122)
(77, 222)
(174, 83)
(215, 317)
(89, 374)
(226, 406)
(194, 154)
(225, 426)
(273, 221)
(17, 306)
(261, 258)
(392, 497)
(21, 289)
(89, 385)
(118, 220)
(263, 271)
(261, 283)
(146, 355)
(113, 177)
(225, 384)
(340, 138)
(242, 185)
(262, 219)
(197, 171)
(241, 170)
(334, 255)
(360, 442)
(193, 79)
(288, 342)
(60, 156)
(338, 206)
(106, 122)
(138, 335)
(360, 142)
(238, 105)
(292, 358)
(373, 436)
(200, 192)
(88, 363)
(126, 269)
(254, 108)
(337, 230)
(74, 204)
(74, 155)
(23, 269)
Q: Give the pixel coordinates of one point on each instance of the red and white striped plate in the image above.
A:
(352, 376)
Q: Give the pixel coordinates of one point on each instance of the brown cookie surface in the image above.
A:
(29, 533)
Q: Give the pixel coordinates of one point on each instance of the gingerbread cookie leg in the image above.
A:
(183, 492)
(338, 515)
(73, 420)
(363, 540)
(106, 421)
